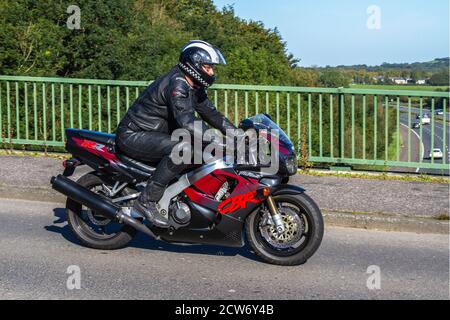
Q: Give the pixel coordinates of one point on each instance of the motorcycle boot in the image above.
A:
(146, 204)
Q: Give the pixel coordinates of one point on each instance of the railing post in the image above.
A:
(341, 123)
(341, 128)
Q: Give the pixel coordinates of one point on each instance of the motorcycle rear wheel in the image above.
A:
(303, 236)
(91, 229)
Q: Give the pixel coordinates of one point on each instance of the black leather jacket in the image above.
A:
(170, 103)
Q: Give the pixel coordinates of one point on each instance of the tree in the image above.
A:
(30, 45)
(303, 77)
(333, 79)
(136, 40)
(440, 79)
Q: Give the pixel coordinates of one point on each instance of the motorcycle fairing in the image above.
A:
(226, 227)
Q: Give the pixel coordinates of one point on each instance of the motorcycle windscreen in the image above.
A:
(263, 122)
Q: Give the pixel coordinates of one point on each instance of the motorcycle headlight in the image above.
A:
(291, 165)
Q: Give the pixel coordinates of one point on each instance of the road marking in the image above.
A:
(421, 144)
(437, 137)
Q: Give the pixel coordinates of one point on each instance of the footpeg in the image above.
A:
(151, 213)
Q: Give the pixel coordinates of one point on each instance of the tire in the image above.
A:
(309, 212)
(80, 228)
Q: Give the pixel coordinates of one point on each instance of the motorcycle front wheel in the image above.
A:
(303, 233)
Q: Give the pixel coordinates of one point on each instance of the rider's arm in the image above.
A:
(181, 103)
(209, 113)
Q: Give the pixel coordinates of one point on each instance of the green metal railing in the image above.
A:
(330, 125)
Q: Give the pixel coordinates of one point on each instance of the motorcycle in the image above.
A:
(217, 203)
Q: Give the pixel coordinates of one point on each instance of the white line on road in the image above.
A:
(436, 137)
(421, 144)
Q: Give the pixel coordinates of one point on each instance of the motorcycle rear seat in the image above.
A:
(100, 137)
(148, 167)
(110, 141)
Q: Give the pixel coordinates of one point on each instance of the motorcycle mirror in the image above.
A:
(246, 124)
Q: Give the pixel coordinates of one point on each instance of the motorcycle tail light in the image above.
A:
(69, 163)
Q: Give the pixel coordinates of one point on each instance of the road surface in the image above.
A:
(421, 148)
(36, 250)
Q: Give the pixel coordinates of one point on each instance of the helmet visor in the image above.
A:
(221, 58)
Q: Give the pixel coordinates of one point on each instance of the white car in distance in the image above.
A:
(436, 154)
(425, 119)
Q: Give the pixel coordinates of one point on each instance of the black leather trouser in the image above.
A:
(150, 147)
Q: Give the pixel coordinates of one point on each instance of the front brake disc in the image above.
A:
(294, 229)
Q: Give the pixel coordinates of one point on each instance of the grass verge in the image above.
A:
(378, 176)
(7, 152)
(442, 217)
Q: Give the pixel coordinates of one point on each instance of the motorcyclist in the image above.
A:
(167, 104)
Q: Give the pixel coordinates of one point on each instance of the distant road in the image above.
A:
(426, 140)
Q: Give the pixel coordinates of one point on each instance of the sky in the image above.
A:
(348, 32)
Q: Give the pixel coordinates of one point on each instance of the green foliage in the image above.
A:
(29, 40)
(380, 75)
(304, 77)
(135, 40)
(334, 79)
(396, 69)
(440, 79)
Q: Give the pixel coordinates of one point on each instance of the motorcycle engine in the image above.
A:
(181, 214)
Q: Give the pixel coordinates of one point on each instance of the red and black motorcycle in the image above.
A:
(216, 203)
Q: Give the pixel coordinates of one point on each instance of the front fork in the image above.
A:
(275, 215)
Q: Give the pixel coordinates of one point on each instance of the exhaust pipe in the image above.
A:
(97, 203)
